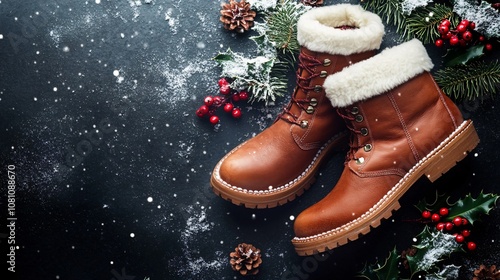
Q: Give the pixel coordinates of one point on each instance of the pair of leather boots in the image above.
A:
(398, 124)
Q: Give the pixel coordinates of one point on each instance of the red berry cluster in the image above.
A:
(458, 226)
(463, 35)
(211, 103)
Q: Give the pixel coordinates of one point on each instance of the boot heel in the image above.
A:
(451, 151)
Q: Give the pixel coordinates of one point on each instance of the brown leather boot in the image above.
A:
(279, 163)
(402, 127)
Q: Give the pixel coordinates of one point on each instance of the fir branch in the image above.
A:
(475, 80)
(390, 10)
(423, 22)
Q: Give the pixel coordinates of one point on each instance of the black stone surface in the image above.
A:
(97, 102)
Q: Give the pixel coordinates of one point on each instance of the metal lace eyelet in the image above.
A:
(368, 147)
(304, 124)
(354, 110)
(360, 160)
(358, 118)
(318, 88)
(327, 62)
(364, 131)
(313, 102)
(310, 110)
(323, 74)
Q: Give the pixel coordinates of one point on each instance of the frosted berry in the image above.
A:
(217, 100)
(440, 226)
(439, 43)
(228, 107)
(457, 221)
(209, 100)
(467, 36)
(471, 246)
(435, 217)
(202, 111)
(466, 233)
(488, 47)
(214, 119)
(225, 89)
(443, 211)
(448, 226)
(236, 113)
(454, 40)
(243, 95)
(426, 214)
(459, 238)
(223, 82)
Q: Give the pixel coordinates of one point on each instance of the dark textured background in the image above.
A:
(112, 171)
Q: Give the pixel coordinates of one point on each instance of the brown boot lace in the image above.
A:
(348, 117)
(306, 63)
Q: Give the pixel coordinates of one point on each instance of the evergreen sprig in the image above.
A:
(423, 22)
(467, 82)
(389, 10)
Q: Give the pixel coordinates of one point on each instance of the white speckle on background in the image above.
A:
(35, 98)
(132, 235)
(1, 36)
(98, 1)
(150, 199)
(200, 45)
(116, 73)
(54, 89)
(292, 217)
(122, 35)
(65, 49)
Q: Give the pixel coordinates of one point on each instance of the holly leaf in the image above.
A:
(389, 271)
(368, 272)
(225, 56)
(472, 208)
(432, 248)
(454, 57)
(441, 200)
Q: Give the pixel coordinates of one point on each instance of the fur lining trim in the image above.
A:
(316, 30)
(378, 74)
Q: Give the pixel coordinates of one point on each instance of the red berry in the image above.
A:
(459, 238)
(236, 113)
(225, 89)
(236, 97)
(446, 22)
(426, 214)
(481, 38)
(461, 28)
(243, 95)
(467, 36)
(214, 119)
(228, 107)
(440, 226)
(448, 226)
(447, 35)
(443, 29)
(223, 82)
(457, 221)
(217, 100)
(443, 211)
(454, 40)
(465, 221)
(488, 47)
(435, 217)
(472, 25)
(471, 246)
(202, 111)
(439, 43)
(466, 233)
(209, 100)
(462, 42)
(464, 23)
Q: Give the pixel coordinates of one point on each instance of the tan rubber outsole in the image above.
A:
(450, 151)
(278, 196)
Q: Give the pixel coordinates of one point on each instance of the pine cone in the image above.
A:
(245, 259)
(483, 273)
(237, 16)
(313, 3)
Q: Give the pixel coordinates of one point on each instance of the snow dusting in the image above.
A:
(409, 5)
(487, 19)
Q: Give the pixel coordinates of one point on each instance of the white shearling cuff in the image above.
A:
(378, 74)
(316, 30)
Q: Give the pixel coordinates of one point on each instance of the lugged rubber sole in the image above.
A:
(278, 196)
(446, 155)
